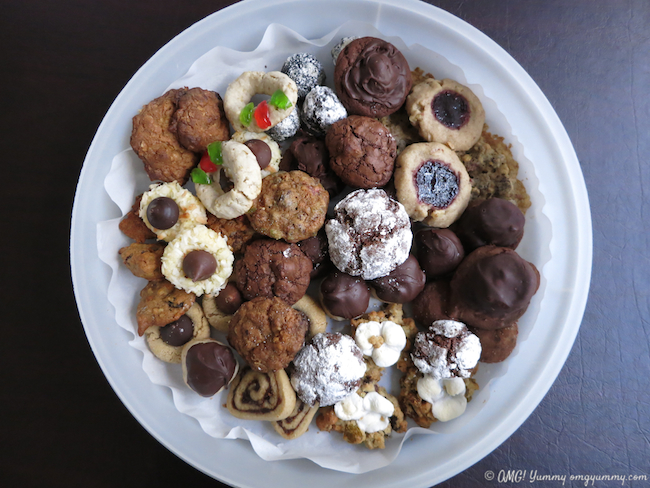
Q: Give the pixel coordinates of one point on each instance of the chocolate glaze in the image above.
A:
(439, 251)
(210, 366)
(316, 249)
(493, 221)
(379, 75)
(178, 332)
(199, 265)
(493, 287)
(229, 299)
(344, 295)
(162, 213)
(261, 150)
(402, 284)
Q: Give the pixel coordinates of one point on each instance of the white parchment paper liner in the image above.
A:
(126, 179)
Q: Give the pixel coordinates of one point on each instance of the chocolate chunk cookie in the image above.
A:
(160, 304)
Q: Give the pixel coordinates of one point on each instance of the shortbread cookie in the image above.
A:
(219, 309)
(254, 395)
(166, 343)
(315, 315)
(447, 112)
(432, 184)
(240, 166)
(297, 423)
(266, 150)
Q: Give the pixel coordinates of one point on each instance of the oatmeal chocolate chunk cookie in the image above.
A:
(362, 151)
(494, 171)
(160, 304)
(199, 119)
(273, 268)
(143, 260)
(291, 206)
(133, 226)
(163, 157)
(267, 333)
(237, 231)
(446, 111)
(166, 343)
(432, 184)
(372, 77)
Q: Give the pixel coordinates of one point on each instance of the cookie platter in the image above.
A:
(535, 247)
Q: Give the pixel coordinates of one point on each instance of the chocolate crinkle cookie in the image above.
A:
(156, 145)
(291, 206)
(267, 333)
(362, 151)
(199, 119)
(273, 268)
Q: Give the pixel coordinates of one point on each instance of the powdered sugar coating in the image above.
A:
(448, 349)
(370, 234)
(328, 369)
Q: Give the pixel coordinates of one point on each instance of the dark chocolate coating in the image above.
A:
(229, 299)
(199, 265)
(316, 249)
(432, 304)
(162, 213)
(492, 287)
(261, 150)
(496, 345)
(310, 154)
(344, 296)
(372, 77)
(439, 251)
(178, 332)
(493, 221)
(210, 366)
(402, 284)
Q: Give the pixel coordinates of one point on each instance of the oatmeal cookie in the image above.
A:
(267, 333)
(163, 156)
(143, 260)
(133, 226)
(160, 304)
(199, 120)
(237, 231)
(273, 268)
(291, 206)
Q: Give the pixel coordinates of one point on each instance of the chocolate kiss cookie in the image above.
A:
(493, 287)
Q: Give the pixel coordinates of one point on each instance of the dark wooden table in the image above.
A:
(64, 62)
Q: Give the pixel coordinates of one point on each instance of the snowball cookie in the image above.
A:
(432, 184)
(166, 343)
(199, 119)
(291, 206)
(267, 333)
(370, 234)
(266, 150)
(167, 209)
(286, 128)
(447, 112)
(362, 151)
(320, 110)
(241, 167)
(492, 287)
(198, 261)
(305, 70)
(250, 83)
(163, 157)
(273, 268)
(328, 369)
(372, 77)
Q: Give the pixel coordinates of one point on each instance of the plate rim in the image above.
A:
(583, 267)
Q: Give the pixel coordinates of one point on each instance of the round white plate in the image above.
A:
(424, 460)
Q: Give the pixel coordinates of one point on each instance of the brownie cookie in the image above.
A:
(273, 268)
(163, 156)
(432, 183)
(362, 151)
(372, 77)
(291, 206)
(447, 112)
(267, 333)
(310, 154)
(492, 287)
(199, 120)
(315, 248)
(497, 344)
(493, 221)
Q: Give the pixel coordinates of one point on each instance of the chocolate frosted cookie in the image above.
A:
(344, 296)
(402, 284)
(433, 303)
(310, 154)
(493, 221)
(439, 251)
(362, 151)
(493, 287)
(372, 77)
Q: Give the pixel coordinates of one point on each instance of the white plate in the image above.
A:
(423, 461)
